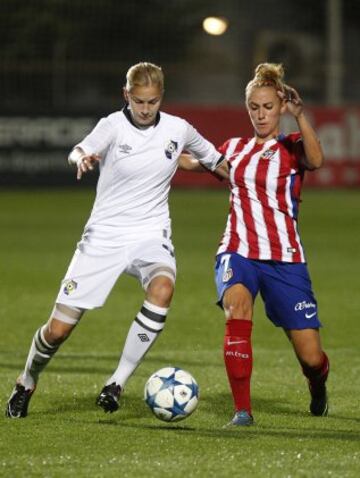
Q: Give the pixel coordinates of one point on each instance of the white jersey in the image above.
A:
(136, 169)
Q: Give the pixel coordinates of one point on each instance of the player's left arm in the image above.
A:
(313, 157)
(188, 163)
(201, 149)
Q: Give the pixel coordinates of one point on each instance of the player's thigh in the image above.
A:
(153, 259)
(237, 284)
(91, 276)
(287, 293)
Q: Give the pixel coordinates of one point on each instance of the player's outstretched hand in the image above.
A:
(87, 163)
(293, 101)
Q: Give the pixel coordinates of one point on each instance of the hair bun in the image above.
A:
(272, 72)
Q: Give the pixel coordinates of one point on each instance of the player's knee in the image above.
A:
(56, 332)
(312, 359)
(61, 323)
(160, 291)
(238, 309)
(238, 303)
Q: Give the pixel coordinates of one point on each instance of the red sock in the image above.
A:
(317, 376)
(238, 361)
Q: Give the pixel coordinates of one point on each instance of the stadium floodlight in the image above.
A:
(215, 25)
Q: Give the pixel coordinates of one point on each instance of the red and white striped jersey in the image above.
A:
(265, 182)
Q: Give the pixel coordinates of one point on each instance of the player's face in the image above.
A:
(265, 108)
(144, 102)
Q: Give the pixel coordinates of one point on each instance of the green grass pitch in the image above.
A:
(66, 435)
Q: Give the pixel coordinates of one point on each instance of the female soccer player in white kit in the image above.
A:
(129, 230)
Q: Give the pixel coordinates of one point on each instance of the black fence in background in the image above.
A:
(71, 56)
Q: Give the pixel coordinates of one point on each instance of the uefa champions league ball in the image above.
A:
(172, 394)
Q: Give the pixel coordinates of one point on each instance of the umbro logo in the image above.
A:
(143, 338)
(124, 148)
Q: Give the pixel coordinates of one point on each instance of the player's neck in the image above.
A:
(270, 137)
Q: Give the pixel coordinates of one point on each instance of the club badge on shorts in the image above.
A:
(69, 287)
(170, 149)
(227, 275)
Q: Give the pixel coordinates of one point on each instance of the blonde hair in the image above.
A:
(144, 74)
(267, 74)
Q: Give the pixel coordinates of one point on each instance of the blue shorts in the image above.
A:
(284, 287)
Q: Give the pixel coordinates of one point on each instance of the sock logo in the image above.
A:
(230, 353)
(232, 342)
(143, 337)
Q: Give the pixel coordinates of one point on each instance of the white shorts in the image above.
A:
(94, 270)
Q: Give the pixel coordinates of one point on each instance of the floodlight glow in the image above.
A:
(215, 25)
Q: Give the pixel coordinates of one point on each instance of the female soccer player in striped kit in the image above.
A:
(129, 230)
(261, 250)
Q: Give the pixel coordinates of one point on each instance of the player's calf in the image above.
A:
(317, 377)
(45, 344)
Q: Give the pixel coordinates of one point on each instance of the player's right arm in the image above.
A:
(313, 157)
(83, 161)
(93, 147)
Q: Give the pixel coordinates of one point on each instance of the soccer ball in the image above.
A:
(172, 394)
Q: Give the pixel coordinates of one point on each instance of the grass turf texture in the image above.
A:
(66, 435)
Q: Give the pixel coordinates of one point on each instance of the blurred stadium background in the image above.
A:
(63, 64)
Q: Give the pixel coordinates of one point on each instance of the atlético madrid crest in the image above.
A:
(227, 274)
(268, 154)
(171, 148)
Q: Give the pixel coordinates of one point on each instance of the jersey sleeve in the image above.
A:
(202, 149)
(298, 149)
(99, 139)
(224, 147)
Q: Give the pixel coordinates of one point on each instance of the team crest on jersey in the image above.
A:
(171, 148)
(227, 275)
(268, 154)
(69, 287)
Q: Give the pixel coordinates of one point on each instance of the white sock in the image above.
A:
(143, 332)
(39, 356)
